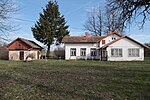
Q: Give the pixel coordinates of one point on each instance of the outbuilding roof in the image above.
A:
(30, 43)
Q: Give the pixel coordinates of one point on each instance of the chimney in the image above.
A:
(86, 33)
(85, 37)
(108, 33)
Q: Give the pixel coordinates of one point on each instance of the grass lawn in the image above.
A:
(66, 80)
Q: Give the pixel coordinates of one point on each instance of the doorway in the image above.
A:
(104, 55)
(21, 55)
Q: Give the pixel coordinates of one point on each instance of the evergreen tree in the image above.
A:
(51, 26)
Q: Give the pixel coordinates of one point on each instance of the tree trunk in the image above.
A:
(48, 51)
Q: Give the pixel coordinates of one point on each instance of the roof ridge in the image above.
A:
(122, 38)
(87, 36)
(82, 39)
(30, 42)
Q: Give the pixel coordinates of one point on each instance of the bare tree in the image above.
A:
(7, 8)
(130, 10)
(94, 22)
(112, 23)
(102, 21)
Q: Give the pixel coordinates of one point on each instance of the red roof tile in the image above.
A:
(82, 39)
(30, 43)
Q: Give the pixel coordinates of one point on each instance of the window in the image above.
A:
(93, 51)
(133, 52)
(116, 52)
(103, 41)
(73, 51)
(113, 38)
(83, 51)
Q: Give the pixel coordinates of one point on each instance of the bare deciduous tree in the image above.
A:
(112, 23)
(7, 8)
(94, 22)
(102, 21)
(131, 9)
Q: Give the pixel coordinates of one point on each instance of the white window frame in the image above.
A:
(83, 52)
(116, 52)
(93, 52)
(133, 52)
(72, 51)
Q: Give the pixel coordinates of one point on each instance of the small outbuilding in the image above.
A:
(23, 49)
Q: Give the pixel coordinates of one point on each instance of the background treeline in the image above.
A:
(147, 51)
(3, 52)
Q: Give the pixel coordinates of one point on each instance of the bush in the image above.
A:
(3, 53)
(146, 50)
(59, 52)
(31, 56)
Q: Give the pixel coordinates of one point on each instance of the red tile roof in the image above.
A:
(85, 39)
(30, 43)
(82, 39)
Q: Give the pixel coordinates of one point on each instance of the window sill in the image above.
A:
(133, 56)
(116, 56)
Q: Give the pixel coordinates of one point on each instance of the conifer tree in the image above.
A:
(51, 26)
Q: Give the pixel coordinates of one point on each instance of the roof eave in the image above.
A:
(79, 42)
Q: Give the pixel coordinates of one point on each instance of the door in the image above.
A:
(21, 55)
(104, 55)
(38, 54)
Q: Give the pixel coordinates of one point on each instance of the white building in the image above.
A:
(113, 47)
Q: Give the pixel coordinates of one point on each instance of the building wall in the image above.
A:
(125, 44)
(109, 39)
(15, 55)
(88, 46)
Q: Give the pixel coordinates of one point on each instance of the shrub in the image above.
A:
(59, 52)
(31, 56)
(3, 53)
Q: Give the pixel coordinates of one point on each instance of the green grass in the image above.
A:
(58, 80)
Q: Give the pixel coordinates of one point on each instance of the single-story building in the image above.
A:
(113, 47)
(23, 49)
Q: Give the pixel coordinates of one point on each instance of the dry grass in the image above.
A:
(54, 80)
